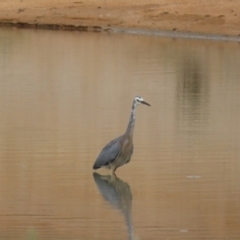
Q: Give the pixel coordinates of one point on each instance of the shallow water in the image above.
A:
(64, 95)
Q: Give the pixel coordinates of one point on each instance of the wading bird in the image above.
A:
(119, 151)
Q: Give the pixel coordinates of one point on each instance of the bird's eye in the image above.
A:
(138, 99)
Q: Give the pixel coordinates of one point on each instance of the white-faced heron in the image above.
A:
(119, 151)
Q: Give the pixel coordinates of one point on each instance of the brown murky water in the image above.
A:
(64, 95)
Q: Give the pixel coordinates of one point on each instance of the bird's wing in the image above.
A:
(108, 154)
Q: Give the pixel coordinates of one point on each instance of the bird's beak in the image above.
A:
(143, 102)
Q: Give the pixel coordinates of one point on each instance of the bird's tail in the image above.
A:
(95, 166)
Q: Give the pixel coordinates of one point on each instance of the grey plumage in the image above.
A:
(119, 151)
(109, 153)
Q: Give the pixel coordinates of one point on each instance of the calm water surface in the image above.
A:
(64, 95)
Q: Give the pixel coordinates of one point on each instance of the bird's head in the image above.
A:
(139, 100)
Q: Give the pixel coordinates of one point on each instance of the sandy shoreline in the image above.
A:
(203, 17)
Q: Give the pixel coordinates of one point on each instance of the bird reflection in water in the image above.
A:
(118, 194)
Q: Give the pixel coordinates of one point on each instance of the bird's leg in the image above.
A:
(113, 168)
(113, 177)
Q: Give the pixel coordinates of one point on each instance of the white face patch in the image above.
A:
(138, 99)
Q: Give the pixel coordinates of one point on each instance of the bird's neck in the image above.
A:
(130, 127)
